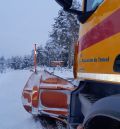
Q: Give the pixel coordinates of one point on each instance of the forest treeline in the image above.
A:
(59, 46)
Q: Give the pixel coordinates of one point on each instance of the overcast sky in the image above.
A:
(23, 23)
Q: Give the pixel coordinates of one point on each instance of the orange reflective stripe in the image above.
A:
(35, 97)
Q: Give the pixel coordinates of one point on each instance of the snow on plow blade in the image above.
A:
(47, 94)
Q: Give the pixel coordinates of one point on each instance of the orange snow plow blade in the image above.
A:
(47, 94)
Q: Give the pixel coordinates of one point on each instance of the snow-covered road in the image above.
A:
(12, 113)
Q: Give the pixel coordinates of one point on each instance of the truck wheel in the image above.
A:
(102, 122)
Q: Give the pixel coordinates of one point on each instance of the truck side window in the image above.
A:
(92, 4)
(116, 66)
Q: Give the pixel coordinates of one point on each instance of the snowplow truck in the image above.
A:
(95, 102)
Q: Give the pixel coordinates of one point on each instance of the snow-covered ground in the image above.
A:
(12, 113)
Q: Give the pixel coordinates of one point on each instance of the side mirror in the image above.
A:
(66, 4)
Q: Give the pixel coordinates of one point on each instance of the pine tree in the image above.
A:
(15, 62)
(27, 61)
(63, 36)
(40, 55)
(2, 64)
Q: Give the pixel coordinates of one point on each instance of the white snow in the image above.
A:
(12, 113)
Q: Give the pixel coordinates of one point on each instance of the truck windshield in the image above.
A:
(92, 4)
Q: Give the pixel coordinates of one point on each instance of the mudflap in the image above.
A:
(75, 115)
